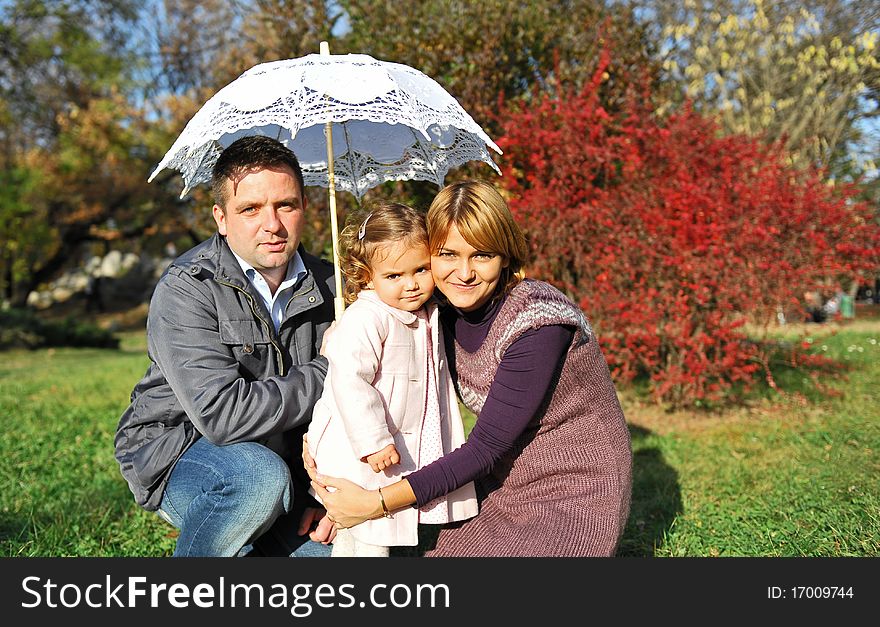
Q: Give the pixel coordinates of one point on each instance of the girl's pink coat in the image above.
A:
(374, 395)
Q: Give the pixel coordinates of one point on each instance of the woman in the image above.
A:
(550, 451)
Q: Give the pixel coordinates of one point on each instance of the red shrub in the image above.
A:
(671, 237)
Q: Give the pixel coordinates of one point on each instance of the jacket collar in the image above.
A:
(228, 268)
(370, 296)
(215, 257)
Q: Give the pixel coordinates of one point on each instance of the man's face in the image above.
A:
(263, 219)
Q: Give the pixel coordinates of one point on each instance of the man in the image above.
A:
(234, 332)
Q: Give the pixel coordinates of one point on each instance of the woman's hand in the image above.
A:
(308, 460)
(347, 503)
(327, 333)
(345, 494)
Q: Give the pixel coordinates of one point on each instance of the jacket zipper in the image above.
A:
(250, 298)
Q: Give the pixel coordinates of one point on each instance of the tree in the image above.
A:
(671, 236)
(186, 43)
(198, 48)
(482, 50)
(74, 148)
(780, 71)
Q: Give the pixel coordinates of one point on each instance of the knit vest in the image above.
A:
(564, 489)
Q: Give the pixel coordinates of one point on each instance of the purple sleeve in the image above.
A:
(524, 377)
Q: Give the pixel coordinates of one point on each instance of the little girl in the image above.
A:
(389, 405)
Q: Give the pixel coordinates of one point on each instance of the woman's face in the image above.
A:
(466, 276)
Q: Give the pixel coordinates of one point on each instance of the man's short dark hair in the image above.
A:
(251, 153)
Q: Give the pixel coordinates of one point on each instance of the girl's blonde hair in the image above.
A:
(484, 221)
(367, 232)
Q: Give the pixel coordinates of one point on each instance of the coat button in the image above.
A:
(194, 269)
(248, 349)
(312, 299)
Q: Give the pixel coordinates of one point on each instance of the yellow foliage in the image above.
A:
(779, 79)
(810, 21)
(786, 27)
(693, 71)
(760, 20)
(729, 25)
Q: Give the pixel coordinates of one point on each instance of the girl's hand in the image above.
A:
(347, 503)
(380, 460)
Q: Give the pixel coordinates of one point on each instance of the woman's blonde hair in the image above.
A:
(367, 232)
(484, 221)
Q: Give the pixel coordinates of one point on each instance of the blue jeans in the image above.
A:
(235, 500)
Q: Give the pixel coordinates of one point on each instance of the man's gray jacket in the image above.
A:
(220, 370)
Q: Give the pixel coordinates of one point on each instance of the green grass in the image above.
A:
(786, 476)
(789, 476)
(61, 493)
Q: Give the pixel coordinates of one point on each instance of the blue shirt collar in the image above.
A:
(276, 304)
(295, 268)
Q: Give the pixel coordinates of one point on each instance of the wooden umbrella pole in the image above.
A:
(339, 301)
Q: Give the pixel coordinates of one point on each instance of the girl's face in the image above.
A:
(466, 276)
(401, 275)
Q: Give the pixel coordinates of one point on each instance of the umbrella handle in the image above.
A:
(338, 302)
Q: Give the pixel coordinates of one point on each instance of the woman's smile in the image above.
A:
(467, 276)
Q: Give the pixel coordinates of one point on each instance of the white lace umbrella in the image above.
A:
(389, 121)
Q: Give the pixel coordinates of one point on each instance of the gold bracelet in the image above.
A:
(385, 511)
